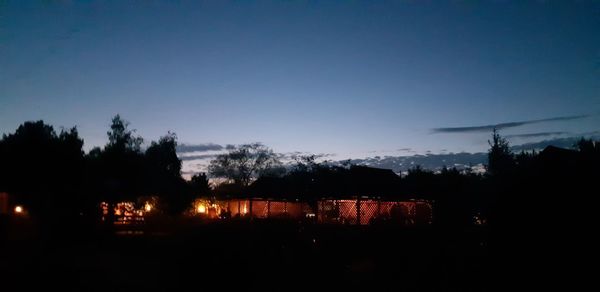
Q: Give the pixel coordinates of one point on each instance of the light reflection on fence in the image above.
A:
(353, 212)
(328, 211)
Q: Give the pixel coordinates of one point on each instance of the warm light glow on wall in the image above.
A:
(104, 207)
(205, 208)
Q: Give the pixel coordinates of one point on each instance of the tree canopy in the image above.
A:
(121, 138)
(244, 163)
(43, 170)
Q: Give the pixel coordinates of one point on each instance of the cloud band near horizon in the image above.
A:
(489, 128)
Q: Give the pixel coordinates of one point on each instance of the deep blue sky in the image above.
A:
(347, 78)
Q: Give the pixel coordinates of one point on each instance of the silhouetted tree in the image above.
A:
(305, 163)
(588, 146)
(162, 157)
(120, 137)
(525, 159)
(500, 157)
(245, 163)
(43, 171)
(199, 185)
(420, 181)
(117, 172)
(455, 203)
(163, 169)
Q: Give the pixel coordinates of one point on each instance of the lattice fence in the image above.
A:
(364, 212)
(354, 212)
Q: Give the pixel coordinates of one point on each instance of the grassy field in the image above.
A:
(258, 255)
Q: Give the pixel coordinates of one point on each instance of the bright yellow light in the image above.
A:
(18, 209)
(201, 209)
(148, 207)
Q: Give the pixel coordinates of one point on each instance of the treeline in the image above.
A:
(530, 189)
(49, 173)
(537, 208)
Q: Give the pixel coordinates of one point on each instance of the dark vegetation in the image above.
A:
(529, 215)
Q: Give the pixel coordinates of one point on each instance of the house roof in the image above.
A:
(330, 182)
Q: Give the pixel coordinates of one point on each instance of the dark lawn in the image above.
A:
(260, 255)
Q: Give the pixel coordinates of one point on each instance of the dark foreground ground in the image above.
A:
(259, 255)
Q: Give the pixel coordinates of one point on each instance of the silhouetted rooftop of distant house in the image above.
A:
(328, 182)
(553, 153)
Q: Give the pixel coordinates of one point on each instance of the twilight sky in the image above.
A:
(348, 78)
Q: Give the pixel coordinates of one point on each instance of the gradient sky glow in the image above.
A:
(347, 78)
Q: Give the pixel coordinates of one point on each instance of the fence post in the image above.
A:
(250, 208)
(358, 210)
(320, 212)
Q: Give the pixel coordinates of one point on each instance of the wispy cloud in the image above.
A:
(198, 157)
(291, 156)
(184, 148)
(537, 135)
(406, 150)
(488, 128)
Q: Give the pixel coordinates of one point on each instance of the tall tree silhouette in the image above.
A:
(116, 172)
(122, 138)
(163, 169)
(44, 171)
(500, 157)
(162, 156)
